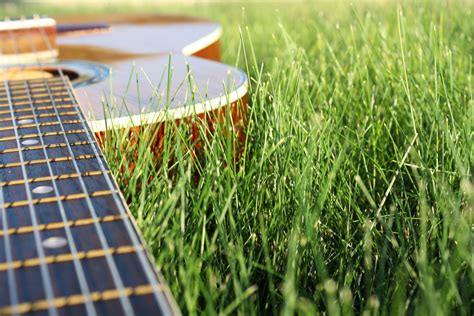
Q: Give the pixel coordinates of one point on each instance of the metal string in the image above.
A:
(47, 284)
(126, 304)
(12, 286)
(71, 243)
(160, 298)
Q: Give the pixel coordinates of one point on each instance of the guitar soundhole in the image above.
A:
(72, 75)
(79, 73)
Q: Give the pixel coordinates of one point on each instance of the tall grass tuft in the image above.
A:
(353, 193)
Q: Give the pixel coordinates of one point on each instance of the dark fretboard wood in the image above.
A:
(68, 244)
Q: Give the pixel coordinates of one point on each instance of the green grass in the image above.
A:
(354, 191)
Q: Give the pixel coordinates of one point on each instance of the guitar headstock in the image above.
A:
(27, 40)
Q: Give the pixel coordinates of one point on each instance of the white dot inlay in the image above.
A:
(54, 242)
(42, 189)
(25, 121)
(29, 142)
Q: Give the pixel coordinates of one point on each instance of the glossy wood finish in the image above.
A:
(146, 35)
(192, 86)
(147, 41)
(154, 44)
(103, 252)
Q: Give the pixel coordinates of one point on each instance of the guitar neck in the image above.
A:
(65, 231)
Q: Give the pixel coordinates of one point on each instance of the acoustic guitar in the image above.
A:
(68, 243)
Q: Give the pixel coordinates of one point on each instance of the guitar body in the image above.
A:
(68, 243)
(131, 35)
(148, 69)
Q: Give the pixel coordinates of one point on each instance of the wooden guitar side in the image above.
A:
(161, 68)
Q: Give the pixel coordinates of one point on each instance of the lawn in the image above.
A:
(354, 190)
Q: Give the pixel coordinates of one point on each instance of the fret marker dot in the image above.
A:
(29, 142)
(25, 121)
(54, 242)
(43, 189)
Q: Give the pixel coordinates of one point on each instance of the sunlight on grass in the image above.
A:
(347, 196)
(353, 191)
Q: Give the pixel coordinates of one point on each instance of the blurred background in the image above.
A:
(98, 3)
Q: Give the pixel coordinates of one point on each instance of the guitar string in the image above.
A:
(71, 243)
(46, 279)
(12, 285)
(160, 297)
(144, 255)
(125, 301)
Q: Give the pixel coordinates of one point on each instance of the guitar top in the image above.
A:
(166, 73)
(68, 243)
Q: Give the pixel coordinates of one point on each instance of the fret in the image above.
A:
(95, 268)
(60, 302)
(46, 134)
(47, 117)
(23, 102)
(47, 178)
(17, 102)
(36, 289)
(99, 280)
(40, 108)
(45, 277)
(52, 153)
(42, 100)
(43, 94)
(59, 88)
(59, 167)
(76, 210)
(56, 145)
(38, 116)
(69, 185)
(57, 198)
(47, 128)
(24, 253)
(45, 161)
(66, 257)
(22, 93)
(34, 103)
(59, 225)
(56, 154)
(64, 287)
(40, 125)
(15, 85)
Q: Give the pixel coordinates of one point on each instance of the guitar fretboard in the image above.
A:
(68, 244)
